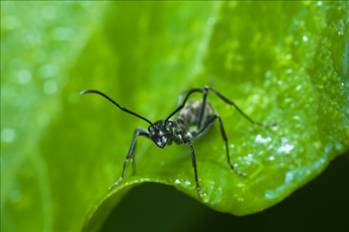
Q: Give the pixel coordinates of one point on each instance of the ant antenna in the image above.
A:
(115, 103)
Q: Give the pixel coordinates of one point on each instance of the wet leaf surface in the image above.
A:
(281, 62)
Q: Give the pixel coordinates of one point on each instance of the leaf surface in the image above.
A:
(280, 62)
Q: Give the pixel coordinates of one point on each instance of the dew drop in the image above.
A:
(205, 197)
(260, 139)
(286, 148)
(289, 177)
(249, 159)
(187, 183)
(339, 146)
(270, 195)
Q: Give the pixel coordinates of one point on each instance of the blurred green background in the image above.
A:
(283, 61)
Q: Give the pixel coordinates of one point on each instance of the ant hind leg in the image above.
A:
(229, 102)
(225, 138)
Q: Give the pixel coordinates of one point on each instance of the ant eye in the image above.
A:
(164, 139)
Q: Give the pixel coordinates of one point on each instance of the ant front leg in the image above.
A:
(193, 159)
(130, 155)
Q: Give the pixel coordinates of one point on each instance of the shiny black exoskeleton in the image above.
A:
(184, 128)
(193, 120)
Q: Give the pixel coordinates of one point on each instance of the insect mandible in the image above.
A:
(193, 120)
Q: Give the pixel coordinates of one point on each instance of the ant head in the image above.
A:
(159, 133)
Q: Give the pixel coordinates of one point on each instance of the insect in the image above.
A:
(194, 119)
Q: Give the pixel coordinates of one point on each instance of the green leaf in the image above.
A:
(280, 62)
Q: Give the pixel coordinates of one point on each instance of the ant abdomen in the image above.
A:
(189, 116)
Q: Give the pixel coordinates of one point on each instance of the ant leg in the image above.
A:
(193, 159)
(226, 100)
(225, 138)
(205, 127)
(191, 91)
(203, 107)
(130, 155)
(133, 167)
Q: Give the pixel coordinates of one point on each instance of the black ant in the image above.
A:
(193, 120)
